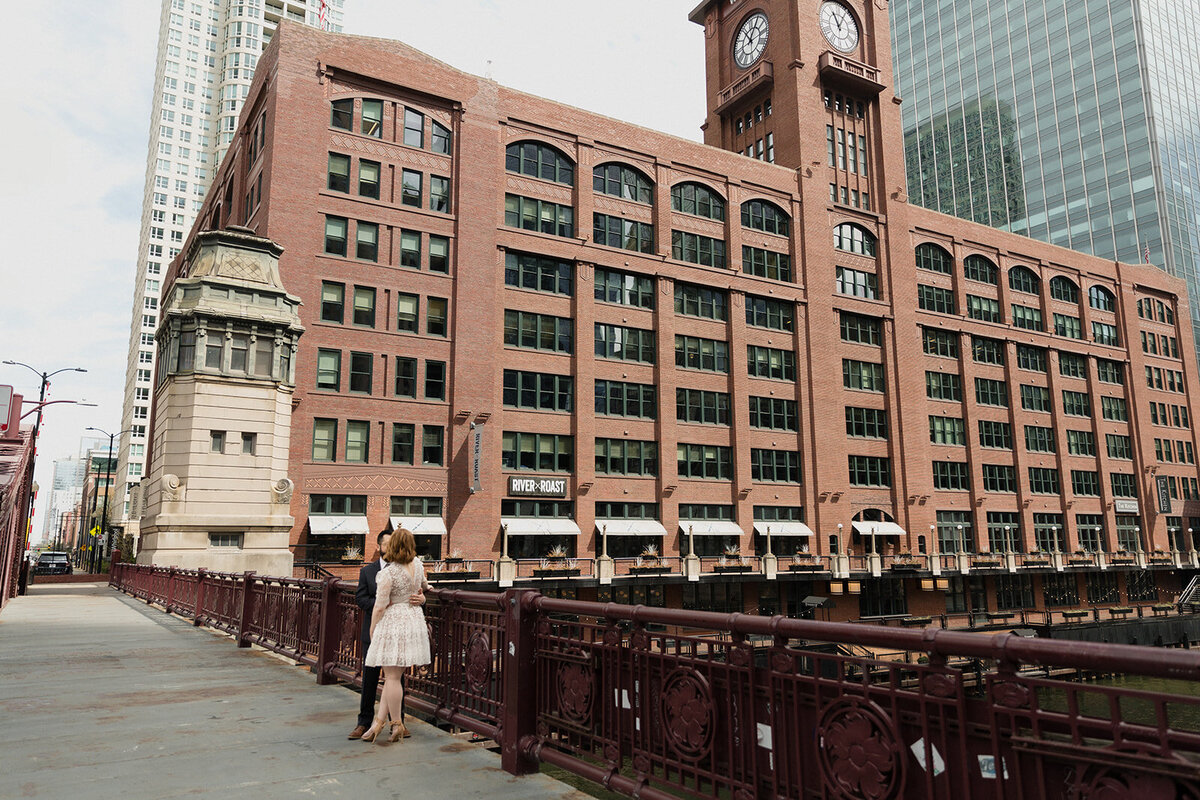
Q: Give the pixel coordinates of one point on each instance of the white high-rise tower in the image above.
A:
(207, 51)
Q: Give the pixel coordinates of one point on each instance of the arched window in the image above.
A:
(1101, 298)
(978, 268)
(934, 259)
(539, 161)
(698, 199)
(1023, 279)
(854, 239)
(621, 181)
(1064, 289)
(764, 216)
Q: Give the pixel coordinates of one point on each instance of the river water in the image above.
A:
(1182, 715)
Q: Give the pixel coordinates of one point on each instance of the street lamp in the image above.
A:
(107, 487)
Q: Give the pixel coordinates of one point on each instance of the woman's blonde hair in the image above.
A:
(401, 548)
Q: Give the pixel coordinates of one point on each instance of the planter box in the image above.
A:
(1036, 562)
(998, 615)
(1080, 614)
(556, 572)
(1122, 610)
(1162, 607)
(814, 567)
(1161, 560)
(647, 570)
(732, 568)
(1121, 560)
(1080, 561)
(456, 575)
(913, 622)
(905, 566)
(989, 564)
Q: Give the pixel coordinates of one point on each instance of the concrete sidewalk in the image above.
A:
(102, 697)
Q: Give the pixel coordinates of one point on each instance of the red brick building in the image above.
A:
(780, 341)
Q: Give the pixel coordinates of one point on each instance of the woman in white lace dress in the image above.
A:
(399, 637)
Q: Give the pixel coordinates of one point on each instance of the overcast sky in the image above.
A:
(77, 100)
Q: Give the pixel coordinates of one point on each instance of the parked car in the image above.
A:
(52, 564)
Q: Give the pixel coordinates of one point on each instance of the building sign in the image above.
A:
(476, 455)
(6, 396)
(1164, 495)
(1125, 506)
(537, 487)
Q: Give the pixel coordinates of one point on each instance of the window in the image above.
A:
(1014, 592)
(990, 392)
(436, 323)
(1023, 279)
(621, 181)
(624, 344)
(368, 179)
(410, 188)
(1077, 404)
(763, 312)
(1119, 446)
(538, 273)
(1060, 590)
(233, 540)
(1072, 365)
(1039, 439)
(774, 413)
(406, 376)
(774, 466)
(1066, 325)
(700, 301)
(1031, 358)
(414, 128)
(432, 445)
(1043, 480)
(329, 369)
(539, 161)
(626, 457)
(768, 362)
(883, 597)
(216, 441)
(367, 241)
(1114, 408)
(539, 215)
(763, 216)
(1081, 443)
(693, 352)
(372, 118)
(1091, 535)
(1063, 289)
(439, 254)
(1027, 317)
(934, 259)
(695, 198)
(407, 306)
(1140, 587)
(866, 376)
(403, 434)
(613, 231)
(358, 441)
(343, 114)
(947, 430)
(364, 306)
(416, 506)
(977, 268)
(1122, 485)
(538, 331)
(435, 380)
(999, 478)
(1085, 483)
(324, 443)
(1101, 299)
(866, 423)
(694, 405)
(934, 298)
(624, 288)
(987, 351)
(339, 173)
(539, 391)
(1128, 532)
(859, 329)
(940, 386)
(951, 475)
(995, 434)
(1035, 398)
(697, 249)
(410, 249)
(620, 399)
(1106, 334)
(870, 471)
(335, 235)
(853, 238)
(439, 194)
(766, 263)
(440, 141)
(983, 308)
(702, 461)
(856, 283)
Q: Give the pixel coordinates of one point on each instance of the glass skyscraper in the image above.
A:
(1071, 121)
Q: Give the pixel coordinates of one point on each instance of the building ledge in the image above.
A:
(847, 72)
(762, 74)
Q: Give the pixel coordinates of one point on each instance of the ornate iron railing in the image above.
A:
(667, 703)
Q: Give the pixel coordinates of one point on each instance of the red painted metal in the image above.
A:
(661, 703)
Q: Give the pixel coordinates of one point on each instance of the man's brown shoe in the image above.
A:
(358, 732)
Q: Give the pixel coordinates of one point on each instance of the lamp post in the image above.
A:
(104, 532)
(37, 425)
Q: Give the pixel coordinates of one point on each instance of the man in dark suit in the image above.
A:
(364, 596)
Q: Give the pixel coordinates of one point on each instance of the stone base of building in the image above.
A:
(264, 552)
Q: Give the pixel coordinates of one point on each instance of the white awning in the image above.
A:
(421, 526)
(319, 525)
(631, 527)
(710, 527)
(782, 528)
(540, 526)
(878, 529)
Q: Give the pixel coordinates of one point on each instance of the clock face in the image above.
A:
(839, 27)
(751, 40)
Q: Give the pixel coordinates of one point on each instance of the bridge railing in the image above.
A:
(668, 703)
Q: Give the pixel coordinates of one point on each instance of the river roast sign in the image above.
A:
(537, 487)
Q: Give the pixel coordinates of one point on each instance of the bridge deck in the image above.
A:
(101, 697)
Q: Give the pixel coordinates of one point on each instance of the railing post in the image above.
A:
(244, 618)
(170, 590)
(199, 610)
(330, 633)
(519, 721)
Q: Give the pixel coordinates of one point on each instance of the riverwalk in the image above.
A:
(102, 697)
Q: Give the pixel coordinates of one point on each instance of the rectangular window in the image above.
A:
(335, 235)
(410, 249)
(439, 254)
(768, 362)
(697, 249)
(1031, 358)
(439, 194)
(859, 329)
(343, 114)
(358, 441)
(1039, 439)
(414, 128)
(537, 452)
(435, 380)
(1106, 334)
(531, 214)
(1060, 591)
(1043, 480)
(766, 263)
(1065, 325)
(866, 376)
(951, 476)
(857, 283)
(1122, 485)
(695, 405)
(700, 301)
(999, 478)
(324, 441)
(1014, 592)
(1119, 446)
(987, 351)
(216, 441)
(1072, 365)
(532, 331)
(620, 399)
(620, 343)
(1035, 398)
(866, 423)
(406, 377)
(372, 118)
(709, 355)
(935, 298)
(990, 392)
(367, 241)
(774, 466)
(329, 369)
(435, 316)
(1077, 404)
(763, 312)
(773, 413)
(613, 231)
(942, 386)
(983, 308)
(407, 309)
(626, 457)
(709, 462)
(1081, 443)
(538, 391)
(947, 430)
(432, 448)
(364, 306)
(339, 173)
(539, 273)
(624, 288)
(870, 471)
(368, 179)
(995, 434)
(1114, 408)
(1026, 317)
(402, 442)
(410, 188)
(1085, 483)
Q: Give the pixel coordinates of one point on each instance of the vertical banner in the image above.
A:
(476, 455)
(1164, 495)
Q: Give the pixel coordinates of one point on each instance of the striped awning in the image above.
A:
(337, 524)
(630, 527)
(540, 526)
(878, 529)
(782, 528)
(421, 526)
(710, 527)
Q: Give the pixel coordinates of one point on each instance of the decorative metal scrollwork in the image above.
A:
(939, 684)
(1010, 694)
(479, 662)
(1104, 782)
(575, 687)
(688, 713)
(861, 755)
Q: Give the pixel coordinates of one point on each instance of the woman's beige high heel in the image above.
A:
(373, 732)
(399, 731)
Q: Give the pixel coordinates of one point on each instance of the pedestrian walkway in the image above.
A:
(102, 697)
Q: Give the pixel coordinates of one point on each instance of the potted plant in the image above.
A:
(455, 557)
(1160, 556)
(985, 559)
(1037, 558)
(732, 561)
(453, 568)
(904, 562)
(804, 561)
(1122, 556)
(555, 564)
(351, 554)
(649, 561)
(1079, 557)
